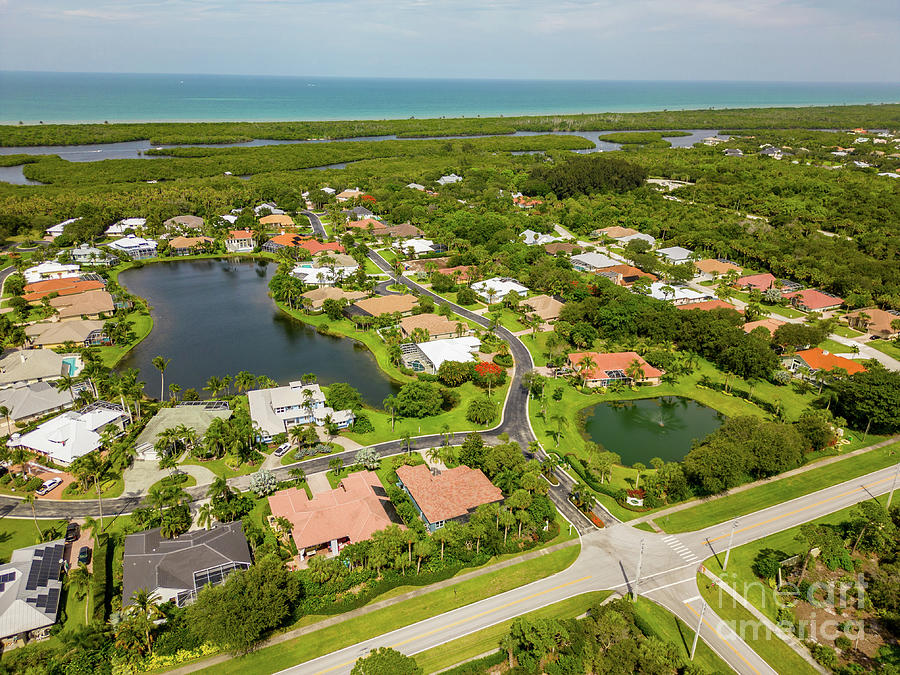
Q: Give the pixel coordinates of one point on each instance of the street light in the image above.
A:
(730, 539)
(697, 632)
(637, 577)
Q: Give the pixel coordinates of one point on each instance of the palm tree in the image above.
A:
(390, 404)
(205, 516)
(406, 439)
(94, 466)
(29, 499)
(79, 581)
(174, 390)
(161, 364)
(65, 383)
(561, 423)
(213, 385)
(298, 474)
(5, 412)
(146, 605)
(586, 366)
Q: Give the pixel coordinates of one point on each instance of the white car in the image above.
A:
(48, 486)
(282, 449)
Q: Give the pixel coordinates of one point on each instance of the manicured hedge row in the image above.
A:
(100, 581)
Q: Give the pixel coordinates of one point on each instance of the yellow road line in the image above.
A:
(726, 641)
(465, 620)
(802, 509)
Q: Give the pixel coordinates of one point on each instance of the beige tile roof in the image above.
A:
(90, 303)
(318, 296)
(544, 306)
(387, 304)
(433, 323)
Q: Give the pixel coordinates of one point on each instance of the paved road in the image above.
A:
(317, 226)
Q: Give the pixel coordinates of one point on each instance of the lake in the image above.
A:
(654, 427)
(214, 317)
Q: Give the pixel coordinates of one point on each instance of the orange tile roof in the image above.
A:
(363, 224)
(612, 361)
(707, 305)
(770, 324)
(311, 245)
(279, 219)
(817, 359)
(814, 299)
(188, 242)
(462, 269)
(450, 494)
(240, 234)
(70, 286)
(626, 271)
(711, 265)
(354, 510)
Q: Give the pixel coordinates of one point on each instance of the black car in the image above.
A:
(84, 555)
(73, 532)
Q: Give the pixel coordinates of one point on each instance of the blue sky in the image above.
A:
(793, 40)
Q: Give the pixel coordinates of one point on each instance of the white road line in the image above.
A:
(690, 600)
(674, 583)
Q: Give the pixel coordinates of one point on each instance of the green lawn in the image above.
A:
(372, 268)
(111, 487)
(785, 311)
(190, 482)
(20, 532)
(892, 349)
(351, 631)
(777, 491)
(143, 324)
(537, 345)
(508, 318)
(452, 297)
(483, 641)
(222, 467)
(834, 347)
(847, 332)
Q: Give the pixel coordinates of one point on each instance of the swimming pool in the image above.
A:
(71, 364)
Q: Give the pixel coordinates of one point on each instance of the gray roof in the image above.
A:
(33, 399)
(151, 562)
(30, 364)
(359, 211)
(197, 418)
(30, 588)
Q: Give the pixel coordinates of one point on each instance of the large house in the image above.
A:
(59, 228)
(196, 416)
(277, 220)
(876, 321)
(316, 298)
(30, 589)
(325, 269)
(385, 304)
(281, 241)
(240, 241)
(496, 289)
(447, 180)
(639, 235)
(417, 247)
(189, 245)
(711, 268)
(434, 325)
(136, 248)
(51, 270)
(590, 262)
(27, 402)
(70, 286)
(184, 223)
(28, 366)
(86, 332)
(92, 304)
(448, 495)
(545, 306)
(125, 226)
(533, 238)
(275, 411)
(706, 305)
(625, 275)
(427, 357)
(677, 295)
(759, 282)
(614, 232)
(768, 323)
(675, 255)
(348, 194)
(812, 300)
(67, 437)
(602, 370)
(809, 362)
(350, 513)
(176, 569)
(90, 255)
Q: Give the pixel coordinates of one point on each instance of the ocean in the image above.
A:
(31, 97)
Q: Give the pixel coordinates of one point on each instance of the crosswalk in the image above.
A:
(675, 544)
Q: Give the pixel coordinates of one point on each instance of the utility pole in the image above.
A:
(637, 577)
(697, 632)
(893, 486)
(728, 550)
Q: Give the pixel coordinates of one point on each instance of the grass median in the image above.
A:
(378, 622)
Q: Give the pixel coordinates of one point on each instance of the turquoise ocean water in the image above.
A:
(96, 97)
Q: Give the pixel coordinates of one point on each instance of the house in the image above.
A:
(615, 232)
(189, 245)
(436, 326)
(770, 325)
(416, 247)
(56, 334)
(367, 224)
(136, 248)
(640, 236)
(533, 238)
(72, 434)
(545, 306)
(590, 262)
(625, 275)
(347, 195)
(272, 207)
(385, 304)
(561, 247)
(769, 151)
(398, 231)
(184, 223)
(277, 220)
(493, 290)
(808, 362)
(447, 180)
(713, 140)
(812, 300)
(229, 218)
(124, 226)
(276, 410)
(416, 186)
(27, 366)
(50, 270)
(325, 269)
(176, 569)
(59, 228)
(733, 152)
(427, 357)
(448, 495)
(30, 589)
(92, 304)
(712, 268)
(759, 282)
(677, 295)
(352, 512)
(34, 292)
(281, 241)
(196, 416)
(461, 273)
(240, 241)
(706, 305)
(27, 402)
(357, 213)
(876, 321)
(675, 255)
(612, 367)
(89, 255)
(315, 298)
(524, 202)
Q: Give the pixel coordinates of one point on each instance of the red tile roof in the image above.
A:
(817, 359)
(240, 234)
(352, 510)
(70, 286)
(603, 363)
(311, 245)
(815, 299)
(363, 224)
(759, 281)
(450, 494)
(707, 305)
(462, 269)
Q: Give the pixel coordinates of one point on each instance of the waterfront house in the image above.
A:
(90, 255)
(276, 410)
(813, 300)
(177, 569)
(281, 241)
(611, 367)
(545, 306)
(92, 305)
(240, 241)
(72, 434)
(591, 262)
(352, 512)
(190, 245)
(183, 223)
(34, 292)
(496, 289)
(50, 270)
(136, 248)
(315, 298)
(27, 366)
(453, 494)
(85, 332)
(30, 590)
(326, 269)
(27, 402)
(194, 415)
(876, 321)
(125, 226)
(436, 327)
(759, 282)
(675, 255)
(427, 357)
(809, 362)
(385, 304)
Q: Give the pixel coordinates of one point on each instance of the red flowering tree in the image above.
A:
(489, 375)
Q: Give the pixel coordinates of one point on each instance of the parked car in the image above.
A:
(84, 555)
(48, 486)
(282, 449)
(73, 531)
